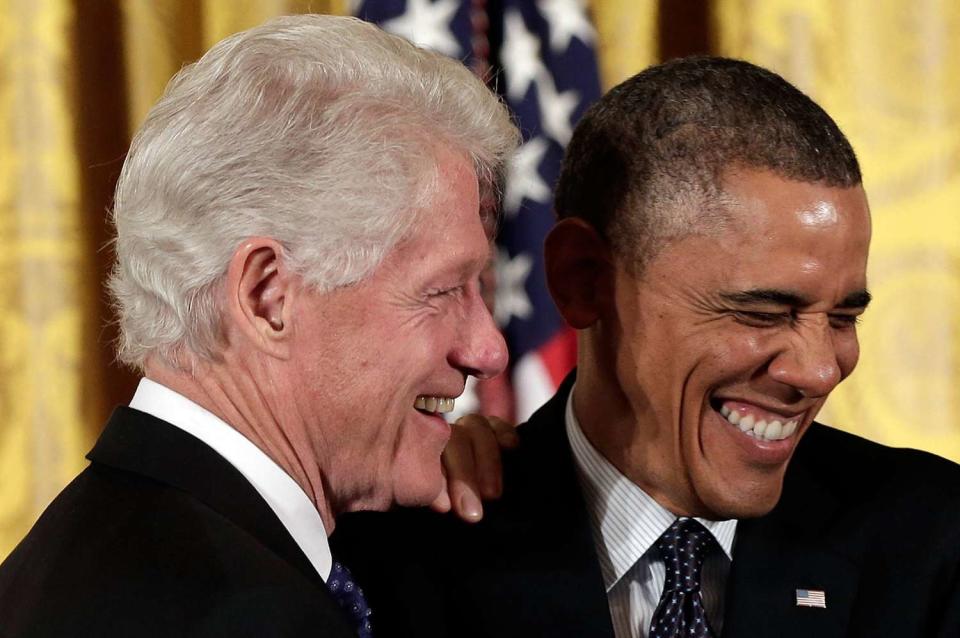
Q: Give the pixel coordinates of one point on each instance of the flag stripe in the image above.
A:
(811, 598)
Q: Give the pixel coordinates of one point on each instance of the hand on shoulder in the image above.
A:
(472, 465)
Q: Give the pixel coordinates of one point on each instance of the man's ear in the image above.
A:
(579, 272)
(260, 290)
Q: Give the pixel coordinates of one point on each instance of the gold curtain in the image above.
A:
(888, 71)
(47, 383)
(160, 36)
(73, 74)
(627, 37)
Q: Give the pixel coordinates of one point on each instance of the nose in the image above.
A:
(809, 362)
(480, 351)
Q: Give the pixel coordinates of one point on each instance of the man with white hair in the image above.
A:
(301, 223)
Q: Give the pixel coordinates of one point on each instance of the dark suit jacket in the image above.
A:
(160, 536)
(877, 529)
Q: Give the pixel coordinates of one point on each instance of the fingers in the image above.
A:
(485, 446)
(465, 502)
(460, 469)
(472, 464)
(505, 432)
(441, 504)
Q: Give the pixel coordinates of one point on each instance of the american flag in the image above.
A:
(811, 598)
(539, 55)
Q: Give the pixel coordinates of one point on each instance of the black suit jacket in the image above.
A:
(160, 536)
(877, 529)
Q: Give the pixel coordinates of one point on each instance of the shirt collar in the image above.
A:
(285, 497)
(626, 520)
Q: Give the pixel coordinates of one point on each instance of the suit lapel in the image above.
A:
(142, 444)
(549, 560)
(778, 554)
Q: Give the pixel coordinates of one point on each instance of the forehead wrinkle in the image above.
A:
(467, 263)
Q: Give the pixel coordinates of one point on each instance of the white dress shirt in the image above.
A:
(288, 501)
(626, 523)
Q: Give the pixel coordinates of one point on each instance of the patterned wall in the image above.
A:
(46, 280)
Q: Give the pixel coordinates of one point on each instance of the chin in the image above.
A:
(415, 498)
(420, 488)
(743, 501)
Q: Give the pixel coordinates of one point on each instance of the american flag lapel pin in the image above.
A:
(811, 598)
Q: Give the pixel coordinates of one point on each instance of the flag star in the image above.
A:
(427, 24)
(520, 55)
(511, 297)
(556, 109)
(567, 19)
(523, 177)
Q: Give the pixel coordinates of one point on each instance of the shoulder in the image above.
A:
(873, 498)
(892, 515)
(123, 554)
(856, 466)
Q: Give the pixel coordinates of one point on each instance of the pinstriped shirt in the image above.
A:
(626, 522)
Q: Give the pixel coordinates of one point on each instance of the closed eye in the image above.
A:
(844, 321)
(762, 319)
(445, 292)
(772, 319)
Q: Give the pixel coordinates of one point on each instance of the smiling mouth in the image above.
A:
(434, 404)
(757, 423)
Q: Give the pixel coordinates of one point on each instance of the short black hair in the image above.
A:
(647, 161)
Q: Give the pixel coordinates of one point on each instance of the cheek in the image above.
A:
(738, 352)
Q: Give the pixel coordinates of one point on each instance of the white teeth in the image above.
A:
(774, 430)
(434, 404)
(759, 428)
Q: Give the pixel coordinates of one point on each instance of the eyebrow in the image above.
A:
(467, 265)
(856, 299)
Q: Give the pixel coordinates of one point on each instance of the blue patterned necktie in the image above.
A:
(350, 597)
(683, 547)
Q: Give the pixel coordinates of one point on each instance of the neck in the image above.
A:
(618, 431)
(229, 390)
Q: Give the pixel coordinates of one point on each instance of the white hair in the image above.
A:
(321, 132)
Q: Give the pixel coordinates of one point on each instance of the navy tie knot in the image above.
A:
(684, 547)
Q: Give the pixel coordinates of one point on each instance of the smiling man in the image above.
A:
(711, 251)
(301, 226)
(726, 345)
